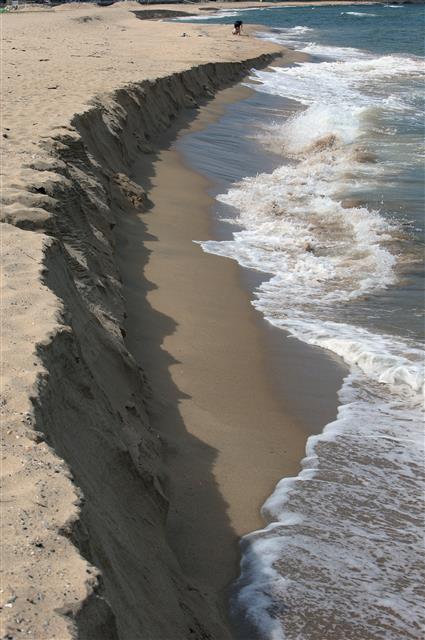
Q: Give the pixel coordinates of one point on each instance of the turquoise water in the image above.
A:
(330, 215)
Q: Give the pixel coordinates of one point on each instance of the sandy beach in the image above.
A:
(141, 431)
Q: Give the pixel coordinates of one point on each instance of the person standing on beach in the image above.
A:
(237, 28)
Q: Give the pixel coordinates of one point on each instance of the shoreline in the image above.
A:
(98, 441)
(221, 404)
(312, 408)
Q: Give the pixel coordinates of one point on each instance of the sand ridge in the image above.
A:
(84, 91)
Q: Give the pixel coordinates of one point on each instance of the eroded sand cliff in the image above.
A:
(84, 505)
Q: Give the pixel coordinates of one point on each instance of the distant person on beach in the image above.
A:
(237, 28)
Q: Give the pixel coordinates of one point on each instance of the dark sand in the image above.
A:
(232, 396)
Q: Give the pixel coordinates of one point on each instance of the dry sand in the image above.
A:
(122, 485)
(54, 62)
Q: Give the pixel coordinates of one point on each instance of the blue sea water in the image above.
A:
(336, 228)
(399, 29)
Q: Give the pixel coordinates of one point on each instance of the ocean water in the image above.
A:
(334, 224)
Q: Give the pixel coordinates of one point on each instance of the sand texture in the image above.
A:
(84, 499)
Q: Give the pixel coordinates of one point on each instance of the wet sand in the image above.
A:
(223, 376)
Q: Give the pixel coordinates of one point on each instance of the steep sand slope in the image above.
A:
(82, 469)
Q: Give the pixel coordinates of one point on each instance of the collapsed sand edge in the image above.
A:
(84, 476)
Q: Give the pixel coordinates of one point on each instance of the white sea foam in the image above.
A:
(341, 557)
(295, 225)
(334, 53)
(359, 14)
(300, 29)
(352, 80)
(214, 15)
(291, 36)
(207, 16)
(318, 254)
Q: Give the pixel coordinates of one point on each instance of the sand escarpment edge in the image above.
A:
(85, 480)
